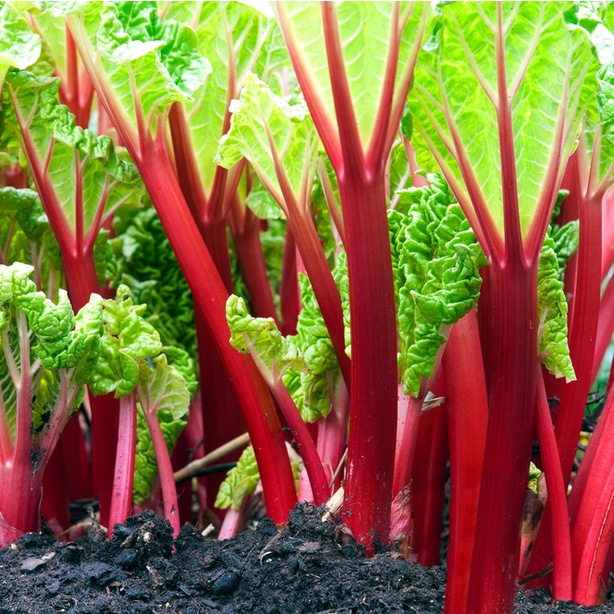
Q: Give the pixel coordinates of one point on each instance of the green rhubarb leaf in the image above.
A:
(54, 340)
(313, 388)
(235, 38)
(240, 481)
(25, 233)
(128, 340)
(552, 313)
(277, 138)
(148, 64)
(262, 203)
(57, 348)
(261, 338)
(598, 20)
(162, 388)
(454, 101)
(71, 164)
(364, 29)
(52, 30)
(436, 261)
(20, 47)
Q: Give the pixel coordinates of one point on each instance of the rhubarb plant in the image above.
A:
(133, 365)
(503, 156)
(420, 162)
(140, 66)
(332, 47)
(48, 355)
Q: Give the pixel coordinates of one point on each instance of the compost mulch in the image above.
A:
(307, 568)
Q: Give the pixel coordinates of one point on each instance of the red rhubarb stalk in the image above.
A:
(590, 506)
(467, 409)
(123, 481)
(557, 497)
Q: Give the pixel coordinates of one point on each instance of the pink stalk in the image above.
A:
(428, 484)
(165, 470)
(590, 505)
(121, 503)
(76, 90)
(22, 464)
(583, 314)
(332, 432)
(150, 154)
(304, 442)
(510, 334)
(246, 238)
(289, 290)
(232, 521)
(362, 189)
(467, 409)
(407, 438)
(210, 296)
(557, 497)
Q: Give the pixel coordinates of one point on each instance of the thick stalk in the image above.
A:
(165, 471)
(590, 507)
(509, 324)
(467, 409)
(210, 297)
(123, 480)
(20, 499)
(304, 443)
(373, 394)
(583, 319)
(557, 497)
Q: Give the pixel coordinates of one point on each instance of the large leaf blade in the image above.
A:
(457, 108)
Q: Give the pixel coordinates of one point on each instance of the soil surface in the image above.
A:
(306, 569)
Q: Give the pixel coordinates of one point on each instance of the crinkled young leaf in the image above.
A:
(66, 346)
(148, 64)
(436, 261)
(51, 324)
(261, 338)
(240, 481)
(147, 264)
(269, 132)
(184, 364)
(552, 313)
(313, 388)
(128, 340)
(162, 388)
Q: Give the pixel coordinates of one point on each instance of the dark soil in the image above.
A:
(305, 569)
